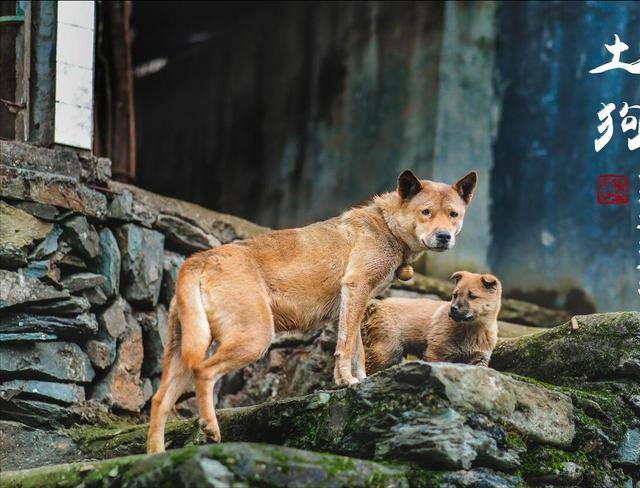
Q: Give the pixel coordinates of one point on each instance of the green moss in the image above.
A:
(423, 478)
(601, 419)
(336, 465)
(305, 428)
(104, 473)
(514, 440)
(543, 461)
(101, 442)
(599, 408)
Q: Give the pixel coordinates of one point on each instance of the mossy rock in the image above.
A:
(220, 465)
(413, 412)
(588, 348)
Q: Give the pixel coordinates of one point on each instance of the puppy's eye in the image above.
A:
(472, 296)
(453, 214)
(426, 211)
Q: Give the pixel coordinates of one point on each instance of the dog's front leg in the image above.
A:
(354, 294)
(358, 359)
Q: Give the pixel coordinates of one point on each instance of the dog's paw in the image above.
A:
(155, 448)
(361, 375)
(346, 380)
(211, 432)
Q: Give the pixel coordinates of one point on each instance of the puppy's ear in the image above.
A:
(408, 184)
(466, 185)
(455, 277)
(490, 282)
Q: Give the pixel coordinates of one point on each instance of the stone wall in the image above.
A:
(87, 271)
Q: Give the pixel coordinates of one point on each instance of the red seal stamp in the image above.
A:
(613, 189)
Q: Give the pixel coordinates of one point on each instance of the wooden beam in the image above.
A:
(123, 143)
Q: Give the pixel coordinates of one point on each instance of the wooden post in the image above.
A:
(122, 150)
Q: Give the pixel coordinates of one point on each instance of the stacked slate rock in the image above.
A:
(83, 311)
(69, 331)
(86, 278)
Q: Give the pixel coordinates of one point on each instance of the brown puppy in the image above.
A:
(464, 330)
(240, 294)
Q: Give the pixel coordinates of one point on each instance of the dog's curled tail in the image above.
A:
(195, 333)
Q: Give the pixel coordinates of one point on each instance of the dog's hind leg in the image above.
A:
(231, 355)
(244, 330)
(176, 377)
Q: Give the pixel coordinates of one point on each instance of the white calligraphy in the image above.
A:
(628, 123)
(616, 49)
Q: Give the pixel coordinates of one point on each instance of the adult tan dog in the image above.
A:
(240, 294)
(464, 330)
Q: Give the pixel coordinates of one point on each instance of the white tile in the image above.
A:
(73, 126)
(78, 13)
(74, 46)
(74, 85)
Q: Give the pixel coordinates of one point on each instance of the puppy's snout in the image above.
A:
(459, 314)
(443, 237)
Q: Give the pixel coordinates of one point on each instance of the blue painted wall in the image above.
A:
(548, 232)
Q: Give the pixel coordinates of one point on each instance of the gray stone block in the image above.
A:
(82, 281)
(17, 289)
(82, 236)
(109, 263)
(60, 392)
(142, 262)
(47, 360)
(72, 328)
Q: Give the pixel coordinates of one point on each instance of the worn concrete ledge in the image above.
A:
(224, 227)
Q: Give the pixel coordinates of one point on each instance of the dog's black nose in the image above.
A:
(443, 236)
(458, 315)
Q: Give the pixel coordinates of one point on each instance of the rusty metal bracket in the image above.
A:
(13, 107)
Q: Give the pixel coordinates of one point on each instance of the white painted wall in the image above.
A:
(74, 74)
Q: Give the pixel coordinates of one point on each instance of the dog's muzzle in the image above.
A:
(459, 316)
(439, 241)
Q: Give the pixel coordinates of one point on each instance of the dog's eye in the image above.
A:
(426, 211)
(472, 296)
(453, 214)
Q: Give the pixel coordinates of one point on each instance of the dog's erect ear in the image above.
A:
(455, 277)
(489, 282)
(466, 185)
(408, 184)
